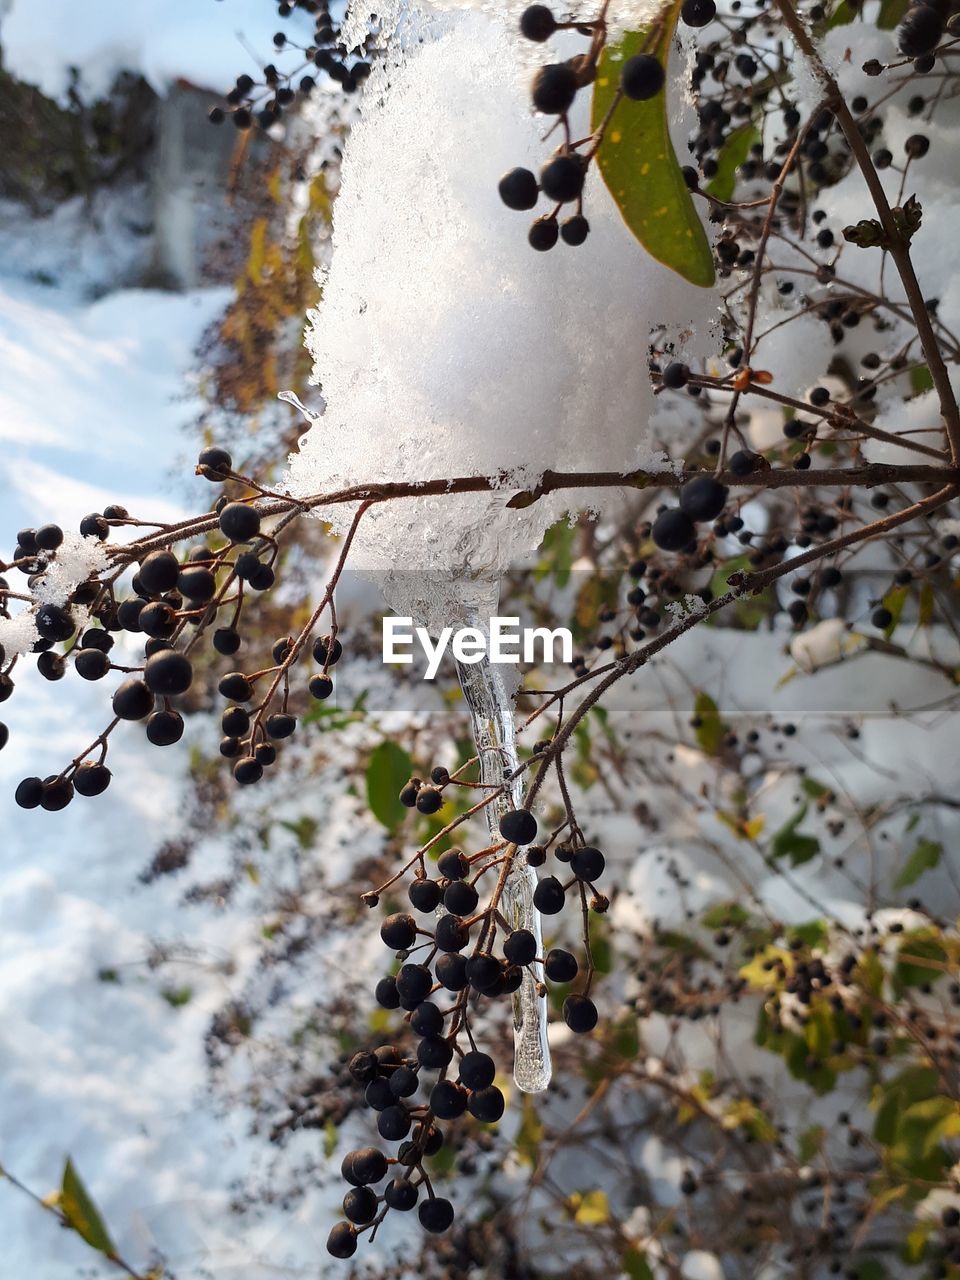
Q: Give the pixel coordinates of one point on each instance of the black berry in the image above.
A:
(159, 572)
(164, 728)
(91, 779)
(703, 498)
(168, 673)
(239, 522)
(697, 13)
(562, 177)
(537, 23)
(399, 931)
(519, 826)
(641, 77)
(554, 88)
(342, 1240)
(132, 700)
(548, 896)
(436, 1215)
(587, 863)
(574, 230)
(560, 966)
(520, 947)
(543, 233)
(673, 530)
(518, 189)
(580, 1014)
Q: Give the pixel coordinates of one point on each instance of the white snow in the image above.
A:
(444, 345)
(75, 560)
(700, 1265)
(17, 634)
(101, 384)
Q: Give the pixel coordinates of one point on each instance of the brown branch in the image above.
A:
(876, 473)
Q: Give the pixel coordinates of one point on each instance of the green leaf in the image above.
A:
(812, 788)
(599, 591)
(625, 1041)
(894, 600)
(789, 842)
(803, 1065)
(258, 250)
(725, 915)
(81, 1213)
(922, 1127)
(843, 14)
(749, 611)
(680, 942)
(813, 933)
(556, 552)
(868, 233)
(921, 379)
(710, 730)
(887, 1118)
(388, 771)
(924, 858)
(819, 1031)
(600, 945)
(871, 1269)
(915, 1084)
(891, 14)
(636, 1265)
(915, 1245)
(811, 1140)
(870, 974)
(638, 163)
(919, 946)
(304, 828)
(927, 603)
(177, 997)
(729, 159)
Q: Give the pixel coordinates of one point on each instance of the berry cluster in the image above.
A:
(263, 102)
(463, 955)
(171, 596)
(553, 91)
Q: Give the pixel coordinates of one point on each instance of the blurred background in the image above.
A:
(155, 271)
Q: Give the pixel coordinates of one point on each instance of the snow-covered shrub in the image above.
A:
(706, 392)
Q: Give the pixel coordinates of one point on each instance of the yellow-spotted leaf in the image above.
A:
(639, 165)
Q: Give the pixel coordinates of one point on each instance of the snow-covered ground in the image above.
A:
(96, 1061)
(102, 1049)
(95, 394)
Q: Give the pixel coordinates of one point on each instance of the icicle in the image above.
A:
(311, 415)
(493, 730)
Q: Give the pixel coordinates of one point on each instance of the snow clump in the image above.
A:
(444, 345)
